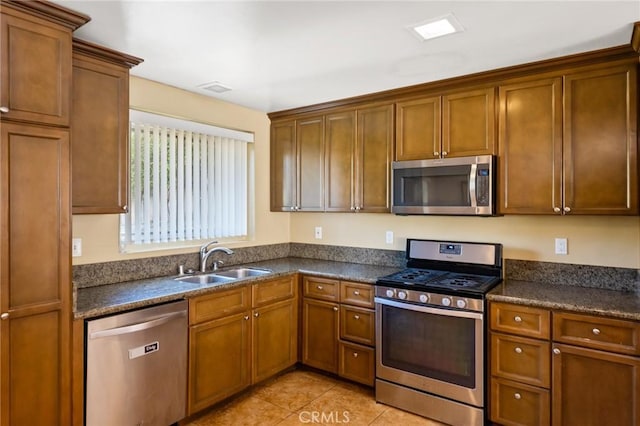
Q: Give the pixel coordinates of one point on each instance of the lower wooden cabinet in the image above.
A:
(357, 362)
(514, 403)
(320, 334)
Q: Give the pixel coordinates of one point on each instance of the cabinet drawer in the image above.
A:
(219, 304)
(321, 288)
(596, 332)
(521, 359)
(357, 363)
(521, 320)
(518, 404)
(357, 325)
(271, 291)
(358, 294)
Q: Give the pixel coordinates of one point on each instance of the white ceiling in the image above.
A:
(279, 55)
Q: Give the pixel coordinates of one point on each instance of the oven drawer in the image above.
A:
(521, 359)
(521, 320)
(596, 332)
(519, 404)
(321, 288)
(357, 325)
(357, 363)
(358, 294)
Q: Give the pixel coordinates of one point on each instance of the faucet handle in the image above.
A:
(205, 246)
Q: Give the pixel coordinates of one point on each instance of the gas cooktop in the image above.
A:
(427, 279)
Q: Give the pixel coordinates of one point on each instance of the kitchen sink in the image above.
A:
(242, 272)
(205, 279)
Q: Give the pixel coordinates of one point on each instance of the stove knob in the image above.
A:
(461, 303)
(402, 295)
(424, 298)
(390, 293)
(446, 301)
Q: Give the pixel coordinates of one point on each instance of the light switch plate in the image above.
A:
(388, 238)
(561, 246)
(318, 232)
(76, 247)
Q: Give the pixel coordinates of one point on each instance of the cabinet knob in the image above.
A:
(517, 395)
(518, 350)
(319, 287)
(556, 351)
(556, 209)
(436, 154)
(353, 208)
(4, 109)
(517, 318)
(256, 314)
(355, 354)
(567, 209)
(4, 316)
(246, 317)
(596, 331)
(335, 308)
(444, 153)
(358, 208)
(356, 317)
(356, 292)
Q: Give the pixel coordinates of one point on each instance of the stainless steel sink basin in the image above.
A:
(242, 273)
(205, 279)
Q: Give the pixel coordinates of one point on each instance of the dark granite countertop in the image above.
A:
(594, 301)
(113, 298)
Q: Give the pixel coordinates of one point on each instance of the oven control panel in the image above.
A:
(430, 299)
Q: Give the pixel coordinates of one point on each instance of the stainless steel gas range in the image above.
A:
(430, 334)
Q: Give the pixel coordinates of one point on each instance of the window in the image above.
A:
(189, 182)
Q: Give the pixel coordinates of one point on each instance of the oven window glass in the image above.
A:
(437, 186)
(431, 345)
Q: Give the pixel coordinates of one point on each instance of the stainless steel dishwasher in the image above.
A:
(137, 367)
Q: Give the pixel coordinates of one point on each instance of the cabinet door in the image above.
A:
(600, 146)
(374, 151)
(530, 145)
(35, 224)
(219, 360)
(418, 129)
(36, 86)
(310, 144)
(468, 123)
(99, 141)
(593, 387)
(320, 334)
(283, 166)
(340, 139)
(275, 339)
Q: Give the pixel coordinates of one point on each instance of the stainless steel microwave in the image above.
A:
(448, 186)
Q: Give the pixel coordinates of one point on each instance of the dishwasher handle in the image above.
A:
(137, 327)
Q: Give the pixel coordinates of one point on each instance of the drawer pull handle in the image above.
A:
(4, 109)
(556, 351)
(356, 317)
(246, 317)
(355, 354)
(517, 395)
(356, 292)
(4, 316)
(335, 308)
(517, 318)
(518, 350)
(319, 287)
(257, 314)
(596, 331)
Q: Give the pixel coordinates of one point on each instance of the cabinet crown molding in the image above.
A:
(50, 11)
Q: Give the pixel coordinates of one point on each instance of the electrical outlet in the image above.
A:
(76, 247)
(318, 232)
(389, 237)
(561, 246)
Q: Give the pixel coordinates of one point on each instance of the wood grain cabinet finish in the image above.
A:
(521, 359)
(358, 151)
(297, 165)
(100, 129)
(333, 331)
(514, 403)
(568, 143)
(451, 125)
(521, 320)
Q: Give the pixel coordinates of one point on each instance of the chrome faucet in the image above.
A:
(205, 252)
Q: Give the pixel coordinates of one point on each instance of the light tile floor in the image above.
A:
(306, 398)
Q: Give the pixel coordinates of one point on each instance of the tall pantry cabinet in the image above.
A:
(35, 216)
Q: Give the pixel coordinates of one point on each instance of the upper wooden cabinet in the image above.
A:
(452, 125)
(568, 143)
(35, 54)
(99, 129)
(297, 165)
(358, 151)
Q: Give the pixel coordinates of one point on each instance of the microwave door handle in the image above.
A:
(472, 185)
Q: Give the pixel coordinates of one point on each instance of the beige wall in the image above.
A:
(607, 241)
(99, 233)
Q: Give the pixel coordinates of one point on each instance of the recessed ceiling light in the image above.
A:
(436, 27)
(215, 86)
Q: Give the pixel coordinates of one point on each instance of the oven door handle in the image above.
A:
(428, 310)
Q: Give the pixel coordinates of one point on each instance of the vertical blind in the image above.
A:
(188, 181)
